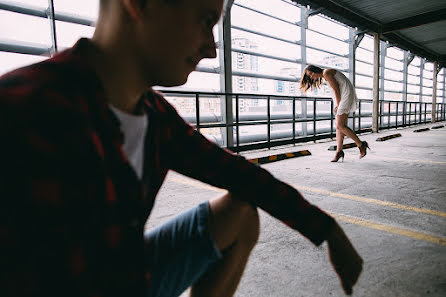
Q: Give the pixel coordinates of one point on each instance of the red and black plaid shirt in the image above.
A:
(72, 209)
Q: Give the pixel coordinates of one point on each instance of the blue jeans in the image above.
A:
(180, 252)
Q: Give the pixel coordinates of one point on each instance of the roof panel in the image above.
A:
(385, 11)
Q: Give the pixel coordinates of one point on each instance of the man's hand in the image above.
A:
(345, 260)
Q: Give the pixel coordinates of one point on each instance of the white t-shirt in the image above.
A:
(134, 128)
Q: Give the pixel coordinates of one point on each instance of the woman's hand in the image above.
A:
(336, 109)
(345, 260)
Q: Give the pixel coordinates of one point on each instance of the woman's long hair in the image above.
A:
(307, 82)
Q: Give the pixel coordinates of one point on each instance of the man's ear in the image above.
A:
(133, 9)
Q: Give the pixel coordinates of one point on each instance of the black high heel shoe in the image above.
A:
(339, 155)
(363, 149)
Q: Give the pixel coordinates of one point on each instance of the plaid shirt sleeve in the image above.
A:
(190, 153)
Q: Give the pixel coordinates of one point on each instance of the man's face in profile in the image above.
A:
(174, 37)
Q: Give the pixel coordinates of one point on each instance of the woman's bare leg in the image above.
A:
(341, 125)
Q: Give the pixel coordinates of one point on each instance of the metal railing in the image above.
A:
(308, 118)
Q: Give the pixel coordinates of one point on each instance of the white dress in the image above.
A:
(349, 101)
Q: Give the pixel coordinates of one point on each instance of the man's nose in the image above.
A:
(209, 49)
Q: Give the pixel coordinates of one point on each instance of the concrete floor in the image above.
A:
(392, 205)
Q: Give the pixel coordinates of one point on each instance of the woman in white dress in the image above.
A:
(345, 100)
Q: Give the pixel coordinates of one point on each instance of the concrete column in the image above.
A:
(421, 79)
(434, 92)
(375, 110)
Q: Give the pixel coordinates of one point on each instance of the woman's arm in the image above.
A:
(329, 77)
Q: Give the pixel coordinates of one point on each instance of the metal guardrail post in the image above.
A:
(314, 119)
(268, 103)
(332, 118)
(388, 115)
(396, 116)
(237, 123)
(359, 118)
(294, 119)
(197, 110)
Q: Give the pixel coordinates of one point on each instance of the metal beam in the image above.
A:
(226, 74)
(415, 21)
(375, 110)
(52, 19)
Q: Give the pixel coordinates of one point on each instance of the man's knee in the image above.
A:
(250, 223)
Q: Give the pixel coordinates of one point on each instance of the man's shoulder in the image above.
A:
(43, 83)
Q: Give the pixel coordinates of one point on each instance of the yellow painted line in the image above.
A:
(391, 229)
(289, 155)
(195, 183)
(272, 158)
(344, 218)
(254, 160)
(412, 160)
(305, 152)
(371, 200)
(201, 185)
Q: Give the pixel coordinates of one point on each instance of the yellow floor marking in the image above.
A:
(201, 185)
(412, 160)
(371, 200)
(196, 184)
(391, 229)
(348, 219)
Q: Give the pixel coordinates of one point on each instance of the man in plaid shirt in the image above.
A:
(86, 146)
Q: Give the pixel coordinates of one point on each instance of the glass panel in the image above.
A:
(413, 79)
(20, 27)
(395, 75)
(367, 42)
(254, 64)
(326, 59)
(364, 94)
(321, 24)
(364, 68)
(427, 91)
(393, 86)
(85, 8)
(326, 43)
(68, 33)
(364, 55)
(11, 61)
(390, 63)
(265, 45)
(279, 8)
(364, 81)
(395, 53)
(38, 3)
(264, 86)
(427, 82)
(246, 19)
(393, 96)
(413, 70)
(413, 89)
(429, 66)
